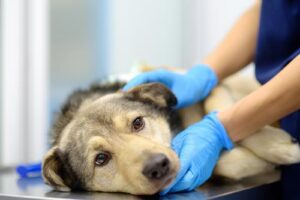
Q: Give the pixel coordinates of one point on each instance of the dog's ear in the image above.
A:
(54, 171)
(153, 93)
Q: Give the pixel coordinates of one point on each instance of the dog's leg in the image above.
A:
(274, 145)
(241, 163)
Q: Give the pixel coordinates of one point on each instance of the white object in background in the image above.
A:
(37, 79)
(24, 81)
(14, 89)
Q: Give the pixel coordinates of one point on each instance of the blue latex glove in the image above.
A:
(29, 170)
(189, 88)
(198, 148)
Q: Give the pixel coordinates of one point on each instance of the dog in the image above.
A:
(109, 140)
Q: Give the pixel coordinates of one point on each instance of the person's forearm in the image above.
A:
(274, 100)
(238, 47)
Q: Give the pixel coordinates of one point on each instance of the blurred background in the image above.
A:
(50, 47)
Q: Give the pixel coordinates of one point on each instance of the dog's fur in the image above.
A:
(100, 119)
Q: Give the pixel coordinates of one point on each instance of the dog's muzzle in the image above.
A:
(156, 167)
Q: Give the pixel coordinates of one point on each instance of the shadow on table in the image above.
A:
(27, 183)
(115, 196)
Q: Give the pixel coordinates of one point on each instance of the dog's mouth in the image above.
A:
(168, 180)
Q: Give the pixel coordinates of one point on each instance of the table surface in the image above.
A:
(14, 187)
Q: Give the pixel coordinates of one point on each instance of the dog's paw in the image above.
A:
(241, 163)
(274, 145)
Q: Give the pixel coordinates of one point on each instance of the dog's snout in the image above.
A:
(156, 167)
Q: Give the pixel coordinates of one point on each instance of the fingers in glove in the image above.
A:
(185, 184)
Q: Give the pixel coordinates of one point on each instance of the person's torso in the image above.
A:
(278, 43)
(278, 38)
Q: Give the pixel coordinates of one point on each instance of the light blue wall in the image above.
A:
(77, 54)
(90, 39)
(145, 31)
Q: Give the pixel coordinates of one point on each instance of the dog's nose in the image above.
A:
(156, 167)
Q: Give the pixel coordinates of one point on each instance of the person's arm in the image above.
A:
(238, 47)
(274, 100)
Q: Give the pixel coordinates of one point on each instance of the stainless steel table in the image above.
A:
(265, 186)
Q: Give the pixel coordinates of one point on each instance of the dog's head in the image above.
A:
(116, 143)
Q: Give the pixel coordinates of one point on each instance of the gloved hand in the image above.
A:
(189, 88)
(198, 148)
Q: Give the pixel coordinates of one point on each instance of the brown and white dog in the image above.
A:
(114, 141)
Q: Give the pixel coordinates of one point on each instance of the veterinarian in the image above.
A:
(268, 34)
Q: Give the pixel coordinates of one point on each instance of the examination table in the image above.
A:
(265, 186)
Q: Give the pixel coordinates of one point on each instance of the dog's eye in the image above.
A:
(138, 124)
(102, 158)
